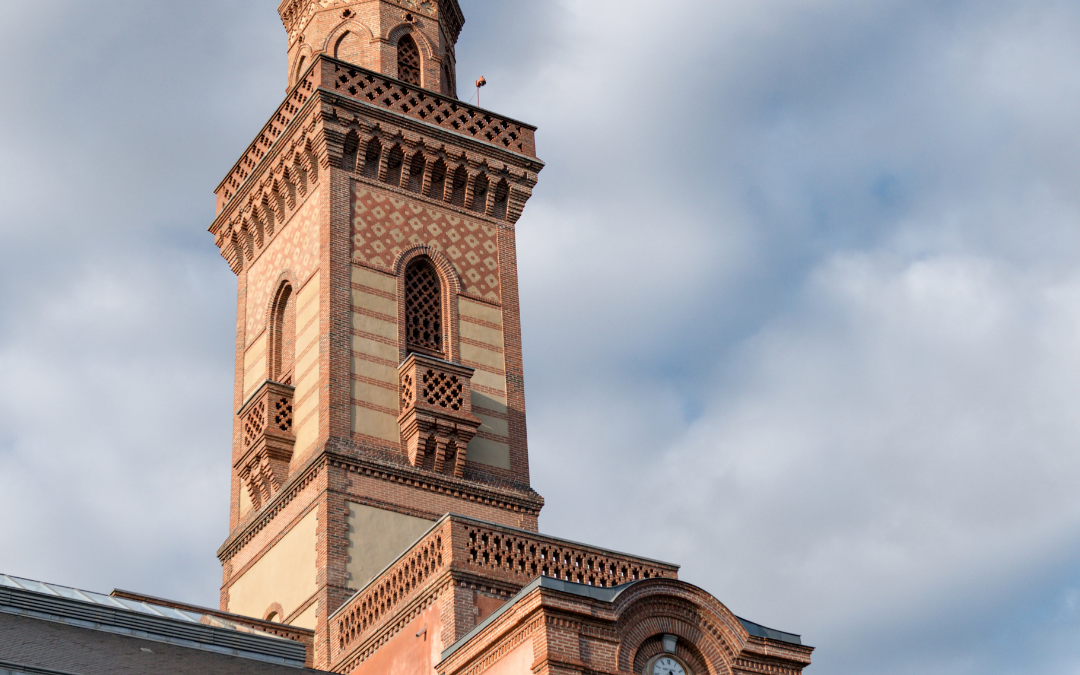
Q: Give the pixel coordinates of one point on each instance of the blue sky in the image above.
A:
(810, 265)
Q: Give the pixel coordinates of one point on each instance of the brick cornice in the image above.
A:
(327, 457)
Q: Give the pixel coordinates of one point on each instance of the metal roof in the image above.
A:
(96, 611)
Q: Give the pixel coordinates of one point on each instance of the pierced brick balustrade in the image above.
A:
(267, 427)
(460, 551)
(436, 413)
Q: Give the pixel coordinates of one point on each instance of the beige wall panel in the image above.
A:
(374, 303)
(376, 538)
(377, 349)
(483, 451)
(305, 406)
(369, 324)
(484, 357)
(285, 574)
(375, 423)
(375, 371)
(479, 310)
(372, 279)
(307, 619)
(309, 340)
(480, 400)
(490, 380)
(307, 302)
(380, 396)
(494, 425)
(488, 336)
(255, 365)
(307, 433)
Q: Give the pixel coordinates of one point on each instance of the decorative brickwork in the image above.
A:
(295, 250)
(379, 599)
(384, 226)
(411, 100)
(524, 558)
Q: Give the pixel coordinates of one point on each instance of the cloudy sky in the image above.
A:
(812, 266)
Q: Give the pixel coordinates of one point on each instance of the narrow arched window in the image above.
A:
(423, 308)
(408, 60)
(283, 335)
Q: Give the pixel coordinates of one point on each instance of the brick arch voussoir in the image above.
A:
(686, 651)
(448, 275)
(350, 25)
(402, 29)
(274, 608)
(657, 606)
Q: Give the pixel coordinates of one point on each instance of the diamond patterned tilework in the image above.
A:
(295, 248)
(385, 225)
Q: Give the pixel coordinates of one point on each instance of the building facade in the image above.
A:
(380, 481)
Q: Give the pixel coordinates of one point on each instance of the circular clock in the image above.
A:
(666, 665)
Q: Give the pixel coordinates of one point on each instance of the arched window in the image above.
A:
(283, 335)
(349, 48)
(423, 308)
(371, 159)
(408, 60)
(393, 166)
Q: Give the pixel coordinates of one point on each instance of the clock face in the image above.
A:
(667, 666)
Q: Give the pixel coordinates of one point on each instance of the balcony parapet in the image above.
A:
(266, 423)
(436, 418)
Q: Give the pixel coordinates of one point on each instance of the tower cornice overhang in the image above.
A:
(329, 80)
(525, 500)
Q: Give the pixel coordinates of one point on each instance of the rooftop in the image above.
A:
(49, 616)
(604, 595)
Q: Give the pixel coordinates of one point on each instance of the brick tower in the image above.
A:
(378, 351)
(380, 501)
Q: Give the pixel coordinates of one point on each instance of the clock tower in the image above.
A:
(381, 503)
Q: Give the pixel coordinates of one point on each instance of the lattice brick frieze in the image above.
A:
(443, 389)
(528, 557)
(379, 599)
(425, 105)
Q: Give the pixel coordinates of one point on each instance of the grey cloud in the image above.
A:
(808, 263)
